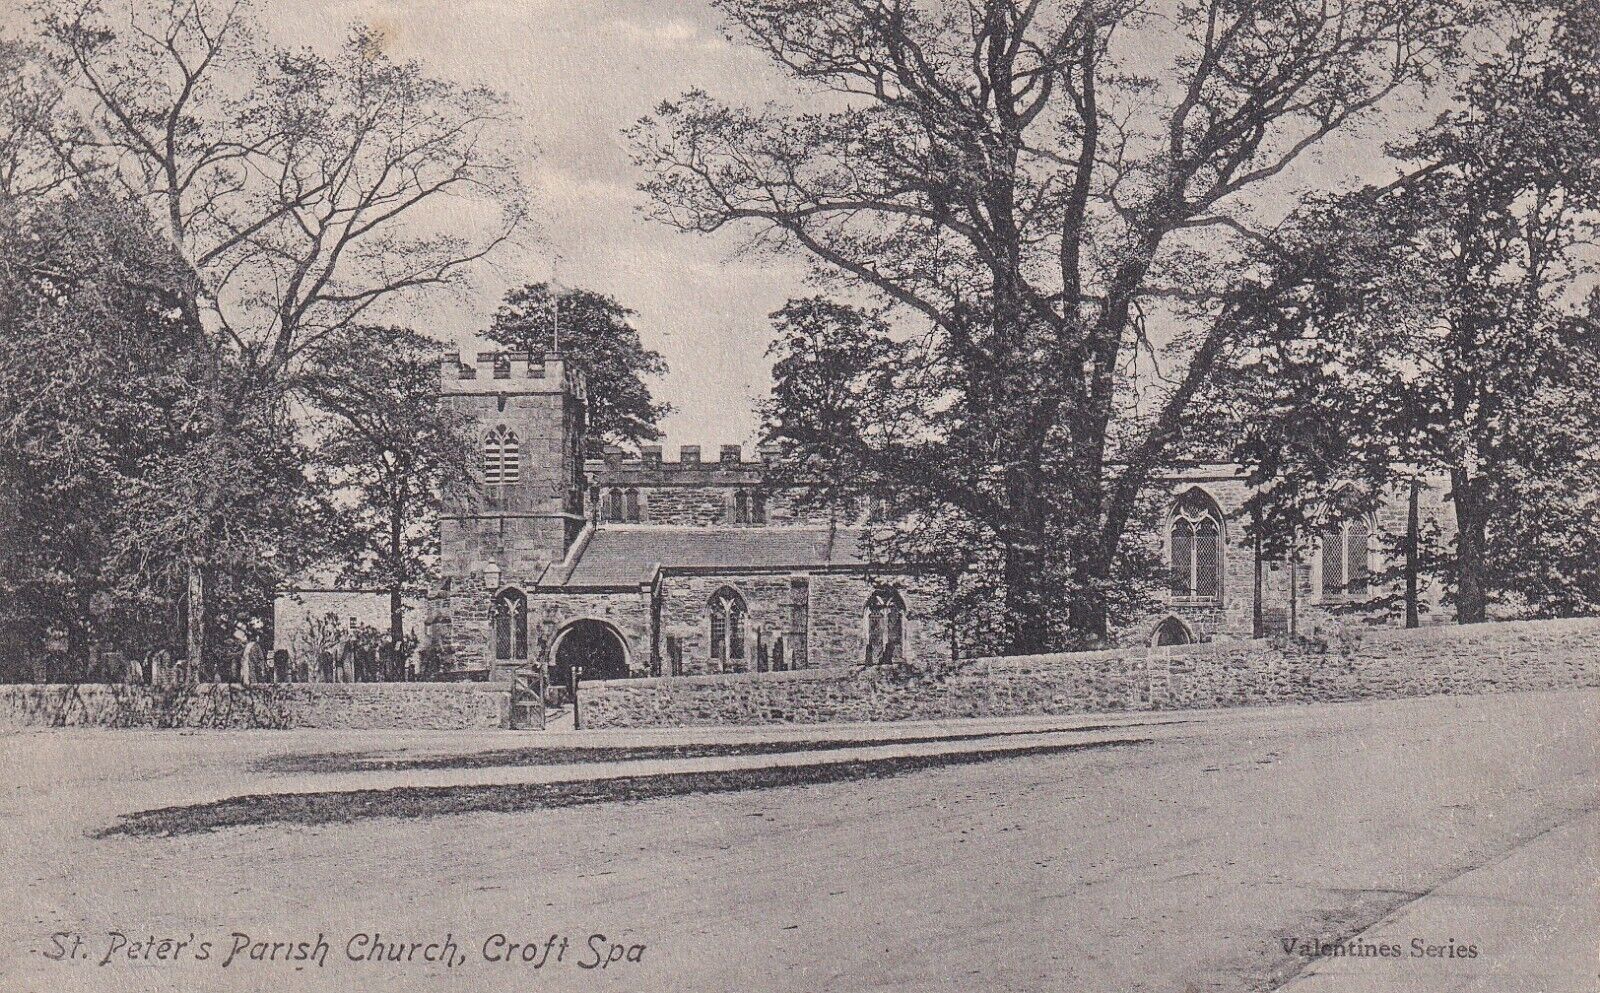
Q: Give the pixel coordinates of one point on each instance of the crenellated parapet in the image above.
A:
(510, 373)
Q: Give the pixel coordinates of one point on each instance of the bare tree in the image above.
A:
(306, 192)
(1023, 184)
(33, 125)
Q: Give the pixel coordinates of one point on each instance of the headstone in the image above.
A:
(252, 662)
(159, 664)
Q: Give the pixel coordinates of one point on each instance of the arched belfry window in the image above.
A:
(509, 623)
(727, 624)
(1195, 540)
(1346, 554)
(501, 464)
(886, 626)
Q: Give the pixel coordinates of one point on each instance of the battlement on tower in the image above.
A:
(510, 373)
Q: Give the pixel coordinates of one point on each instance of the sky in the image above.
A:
(578, 75)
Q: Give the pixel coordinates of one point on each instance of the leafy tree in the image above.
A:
(1429, 323)
(299, 189)
(391, 450)
(598, 334)
(97, 413)
(1029, 188)
(87, 350)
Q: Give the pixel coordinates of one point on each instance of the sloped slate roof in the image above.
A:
(622, 556)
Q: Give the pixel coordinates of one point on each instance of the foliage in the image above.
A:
(1022, 186)
(597, 333)
(301, 192)
(390, 451)
(1426, 328)
(99, 401)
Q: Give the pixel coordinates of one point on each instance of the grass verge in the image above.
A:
(435, 801)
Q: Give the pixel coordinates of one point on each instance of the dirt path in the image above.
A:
(1176, 865)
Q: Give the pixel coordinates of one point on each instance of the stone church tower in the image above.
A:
(523, 508)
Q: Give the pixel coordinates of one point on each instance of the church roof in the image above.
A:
(627, 556)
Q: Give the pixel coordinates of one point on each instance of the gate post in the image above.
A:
(577, 717)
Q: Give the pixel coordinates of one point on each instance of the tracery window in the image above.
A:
(749, 507)
(501, 465)
(509, 622)
(727, 625)
(1195, 540)
(886, 612)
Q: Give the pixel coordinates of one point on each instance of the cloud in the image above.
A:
(673, 33)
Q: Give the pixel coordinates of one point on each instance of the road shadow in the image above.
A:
(411, 802)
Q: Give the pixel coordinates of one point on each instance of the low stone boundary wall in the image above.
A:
(444, 706)
(1376, 663)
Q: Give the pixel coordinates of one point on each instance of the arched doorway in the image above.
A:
(593, 645)
(1172, 632)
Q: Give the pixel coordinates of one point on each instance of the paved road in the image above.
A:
(1181, 864)
(1531, 921)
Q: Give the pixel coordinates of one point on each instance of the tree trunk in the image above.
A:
(196, 615)
(1258, 618)
(1086, 615)
(1088, 610)
(397, 615)
(1413, 556)
(1027, 619)
(1294, 585)
(1471, 596)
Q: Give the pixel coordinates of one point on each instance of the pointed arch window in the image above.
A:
(727, 625)
(509, 625)
(1195, 542)
(886, 621)
(1346, 558)
(501, 462)
(630, 505)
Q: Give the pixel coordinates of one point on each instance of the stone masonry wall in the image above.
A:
(1233, 615)
(1370, 664)
(438, 706)
(836, 609)
(627, 613)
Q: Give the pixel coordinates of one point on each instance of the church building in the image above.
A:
(643, 567)
(635, 565)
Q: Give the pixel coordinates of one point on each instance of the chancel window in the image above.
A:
(500, 457)
(509, 622)
(886, 621)
(1345, 551)
(1196, 546)
(727, 625)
